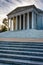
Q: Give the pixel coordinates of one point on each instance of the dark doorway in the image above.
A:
(18, 23)
(30, 20)
(21, 22)
(25, 20)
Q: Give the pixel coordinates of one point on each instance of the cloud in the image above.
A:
(8, 5)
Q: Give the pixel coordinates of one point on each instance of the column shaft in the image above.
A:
(27, 20)
(20, 22)
(32, 20)
(24, 21)
(11, 25)
(8, 23)
(16, 22)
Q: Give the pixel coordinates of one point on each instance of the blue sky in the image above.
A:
(8, 5)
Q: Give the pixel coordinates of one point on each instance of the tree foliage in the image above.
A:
(5, 21)
(5, 26)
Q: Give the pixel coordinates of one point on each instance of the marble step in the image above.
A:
(21, 49)
(23, 57)
(20, 52)
(23, 53)
(23, 46)
(16, 43)
(6, 60)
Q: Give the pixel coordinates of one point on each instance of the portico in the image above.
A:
(25, 18)
(21, 22)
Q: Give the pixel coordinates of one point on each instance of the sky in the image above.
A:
(7, 6)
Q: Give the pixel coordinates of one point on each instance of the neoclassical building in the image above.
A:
(26, 17)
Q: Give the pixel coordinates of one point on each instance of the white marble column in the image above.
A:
(16, 22)
(27, 20)
(20, 22)
(8, 23)
(32, 20)
(11, 25)
(24, 21)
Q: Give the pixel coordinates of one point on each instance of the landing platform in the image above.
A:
(30, 35)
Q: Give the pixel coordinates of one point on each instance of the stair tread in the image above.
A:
(21, 55)
(21, 61)
(20, 48)
(25, 49)
(22, 45)
(21, 51)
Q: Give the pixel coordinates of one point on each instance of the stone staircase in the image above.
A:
(21, 53)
